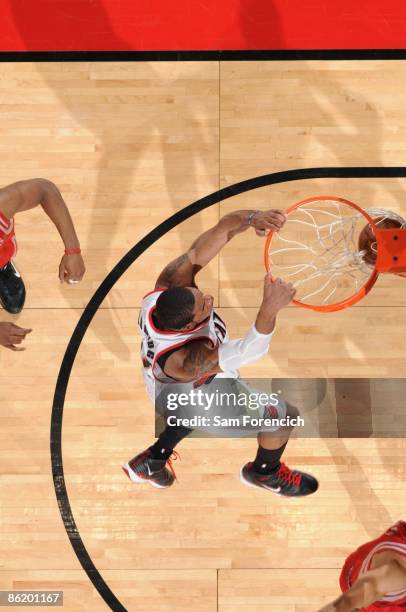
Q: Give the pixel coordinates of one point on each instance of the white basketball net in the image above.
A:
(317, 250)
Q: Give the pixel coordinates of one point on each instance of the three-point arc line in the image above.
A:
(100, 294)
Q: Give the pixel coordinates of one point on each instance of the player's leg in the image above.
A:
(151, 465)
(268, 472)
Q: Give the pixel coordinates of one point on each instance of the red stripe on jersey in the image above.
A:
(178, 331)
(158, 289)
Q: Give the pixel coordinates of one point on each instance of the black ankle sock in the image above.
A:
(268, 461)
(169, 438)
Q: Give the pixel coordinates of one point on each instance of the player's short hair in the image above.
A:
(174, 308)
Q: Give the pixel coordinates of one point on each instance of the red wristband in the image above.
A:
(71, 251)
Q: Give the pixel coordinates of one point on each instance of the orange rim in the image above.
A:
(359, 294)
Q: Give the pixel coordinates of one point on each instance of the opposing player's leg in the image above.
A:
(154, 464)
(268, 472)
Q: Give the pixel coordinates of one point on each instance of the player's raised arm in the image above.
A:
(371, 587)
(24, 195)
(181, 272)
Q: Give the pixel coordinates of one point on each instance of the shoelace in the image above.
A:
(173, 457)
(290, 476)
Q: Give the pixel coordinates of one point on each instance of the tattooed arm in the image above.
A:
(197, 358)
(182, 271)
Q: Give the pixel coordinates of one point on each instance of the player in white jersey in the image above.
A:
(185, 344)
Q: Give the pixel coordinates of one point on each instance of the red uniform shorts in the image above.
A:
(8, 243)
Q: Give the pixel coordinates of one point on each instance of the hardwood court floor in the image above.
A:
(128, 144)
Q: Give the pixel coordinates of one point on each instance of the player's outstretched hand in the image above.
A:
(71, 268)
(268, 220)
(11, 334)
(277, 293)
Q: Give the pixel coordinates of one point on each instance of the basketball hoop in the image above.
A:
(333, 251)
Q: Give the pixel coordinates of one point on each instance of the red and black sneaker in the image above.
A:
(143, 468)
(284, 481)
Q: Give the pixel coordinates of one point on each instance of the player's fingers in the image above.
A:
(25, 329)
(15, 348)
(61, 272)
(271, 224)
(289, 287)
(16, 339)
(276, 211)
(277, 216)
(20, 332)
(261, 232)
(79, 274)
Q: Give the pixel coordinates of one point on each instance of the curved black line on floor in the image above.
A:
(98, 297)
(203, 56)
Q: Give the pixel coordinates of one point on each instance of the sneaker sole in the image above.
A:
(137, 479)
(247, 483)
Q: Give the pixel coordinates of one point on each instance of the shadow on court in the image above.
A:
(171, 132)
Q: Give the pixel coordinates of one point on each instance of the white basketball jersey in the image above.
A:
(157, 345)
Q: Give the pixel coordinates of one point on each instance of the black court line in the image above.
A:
(100, 294)
(203, 56)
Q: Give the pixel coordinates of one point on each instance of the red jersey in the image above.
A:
(8, 244)
(359, 563)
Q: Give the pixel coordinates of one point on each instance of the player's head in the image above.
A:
(182, 308)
